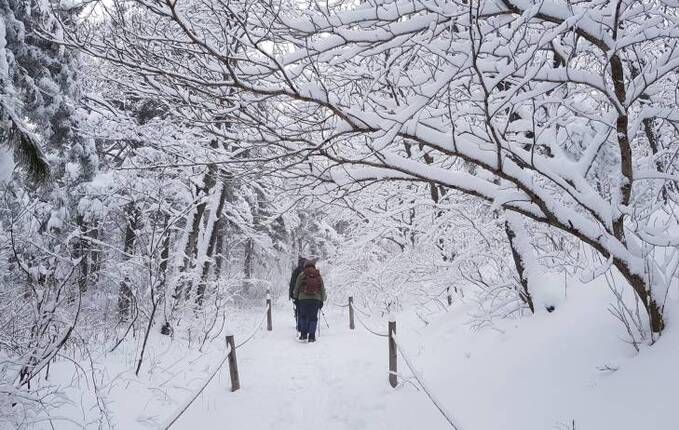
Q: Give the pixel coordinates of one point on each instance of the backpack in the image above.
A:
(312, 281)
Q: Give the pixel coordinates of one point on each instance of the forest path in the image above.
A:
(339, 382)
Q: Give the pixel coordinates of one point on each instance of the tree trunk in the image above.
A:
(221, 247)
(164, 257)
(216, 232)
(183, 287)
(95, 255)
(654, 311)
(520, 265)
(89, 258)
(125, 295)
(247, 264)
(82, 252)
(219, 250)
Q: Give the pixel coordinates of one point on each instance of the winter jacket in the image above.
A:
(293, 281)
(298, 293)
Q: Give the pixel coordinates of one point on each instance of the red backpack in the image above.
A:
(312, 281)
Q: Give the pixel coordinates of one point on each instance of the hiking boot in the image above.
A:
(302, 337)
(312, 339)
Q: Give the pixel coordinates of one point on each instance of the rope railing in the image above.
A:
(198, 392)
(365, 313)
(420, 380)
(352, 309)
(229, 356)
(396, 349)
(257, 328)
(360, 320)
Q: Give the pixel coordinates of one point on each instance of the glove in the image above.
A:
(321, 307)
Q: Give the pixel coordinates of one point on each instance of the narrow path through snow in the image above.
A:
(339, 382)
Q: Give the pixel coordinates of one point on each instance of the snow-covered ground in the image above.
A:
(554, 371)
(340, 382)
(568, 369)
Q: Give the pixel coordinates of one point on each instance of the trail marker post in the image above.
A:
(393, 379)
(351, 313)
(233, 364)
(269, 323)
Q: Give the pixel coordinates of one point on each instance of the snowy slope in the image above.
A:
(554, 371)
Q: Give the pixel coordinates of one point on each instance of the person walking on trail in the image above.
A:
(293, 280)
(310, 294)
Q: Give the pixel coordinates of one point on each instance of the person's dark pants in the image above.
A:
(299, 328)
(307, 311)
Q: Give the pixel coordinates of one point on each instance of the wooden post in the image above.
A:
(450, 298)
(269, 325)
(351, 313)
(393, 379)
(233, 364)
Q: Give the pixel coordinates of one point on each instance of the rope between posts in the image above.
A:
(259, 326)
(214, 373)
(198, 393)
(341, 306)
(424, 386)
(418, 377)
(357, 309)
(368, 328)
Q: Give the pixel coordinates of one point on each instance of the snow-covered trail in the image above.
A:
(339, 382)
(560, 370)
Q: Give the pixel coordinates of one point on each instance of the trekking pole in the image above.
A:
(326, 320)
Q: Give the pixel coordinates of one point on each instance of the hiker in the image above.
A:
(310, 294)
(295, 273)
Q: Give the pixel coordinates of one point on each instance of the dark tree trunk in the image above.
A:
(219, 250)
(221, 247)
(183, 288)
(164, 257)
(653, 309)
(125, 294)
(214, 234)
(83, 252)
(247, 264)
(88, 254)
(95, 255)
(520, 266)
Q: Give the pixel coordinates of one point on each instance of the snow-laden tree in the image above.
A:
(564, 113)
(37, 87)
(229, 223)
(403, 249)
(40, 256)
